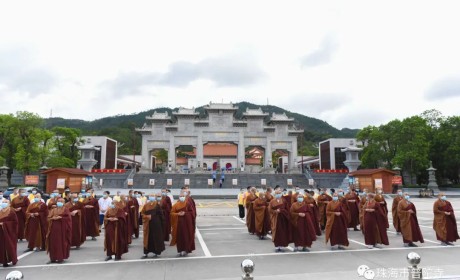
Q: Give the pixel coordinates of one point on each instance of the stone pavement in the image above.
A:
(222, 243)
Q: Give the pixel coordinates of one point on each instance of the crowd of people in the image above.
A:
(66, 220)
(299, 217)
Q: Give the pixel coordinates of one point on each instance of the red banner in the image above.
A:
(31, 180)
(396, 180)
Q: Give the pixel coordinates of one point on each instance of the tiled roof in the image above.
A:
(370, 171)
(74, 171)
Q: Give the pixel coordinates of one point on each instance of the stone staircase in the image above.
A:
(200, 181)
(327, 180)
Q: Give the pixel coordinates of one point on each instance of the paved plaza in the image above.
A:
(222, 243)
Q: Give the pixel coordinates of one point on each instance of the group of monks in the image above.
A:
(62, 223)
(300, 217)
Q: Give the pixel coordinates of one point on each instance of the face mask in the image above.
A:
(112, 206)
(80, 196)
(133, 195)
(335, 198)
(340, 194)
(4, 205)
(88, 195)
(106, 195)
(36, 199)
(400, 193)
(59, 204)
(379, 191)
(34, 192)
(57, 195)
(407, 197)
(182, 198)
(158, 198)
(163, 194)
(138, 196)
(83, 191)
(23, 194)
(364, 193)
(300, 199)
(322, 192)
(185, 193)
(75, 200)
(443, 197)
(278, 195)
(52, 195)
(151, 198)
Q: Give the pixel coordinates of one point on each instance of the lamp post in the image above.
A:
(4, 176)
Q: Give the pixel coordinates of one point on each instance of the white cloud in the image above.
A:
(363, 62)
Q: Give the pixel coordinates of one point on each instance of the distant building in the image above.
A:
(106, 156)
(330, 154)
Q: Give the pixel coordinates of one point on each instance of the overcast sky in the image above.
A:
(350, 63)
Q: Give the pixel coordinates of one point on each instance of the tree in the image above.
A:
(413, 152)
(28, 155)
(66, 142)
(446, 149)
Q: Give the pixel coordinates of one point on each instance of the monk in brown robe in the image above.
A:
(394, 211)
(303, 230)
(287, 197)
(311, 202)
(250, 218)
(59, 235)
(77, 210)
(123, 204)
(133, 206)
(8, 234)
(262, 219)
(166, 206)
(36, 224)
(323, 201)
(352, 199)
(153, 223)
(91, 206)
(375, 231)
(444, 223)
(344, 202)
(19, 205)
(280, 221)
(362, 202)
(116, 227)
(51, 203)
(336, 226)
(294, 194)
(381, 199)
(409, 224)
(182, 232)
(191, 201)
(268, 194)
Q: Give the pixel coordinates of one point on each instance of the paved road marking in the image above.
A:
(239, 220)
(233, 228)
(25, 255)
(233, 256)
(357, 242)
(427, 240)
(203, 245)
(268, 235)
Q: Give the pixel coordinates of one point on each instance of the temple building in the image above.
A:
(219, 141)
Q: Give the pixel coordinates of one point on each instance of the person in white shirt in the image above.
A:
(168, 191)
(104, 203)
